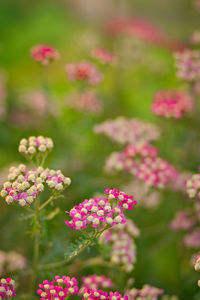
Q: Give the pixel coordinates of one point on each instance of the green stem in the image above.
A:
(53, 197)
(81, 248)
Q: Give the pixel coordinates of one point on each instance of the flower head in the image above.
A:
(59, 288)
(183, 220)
(85, 102)
(193, 186)
(11, 262)
(7, 288)
(35, 145)
(104, 56)
(128, 131)
(171, 104)
(188, 64)
(96, 281)
(83, 71)
(24, 185)
(44, 54)
(99, 212)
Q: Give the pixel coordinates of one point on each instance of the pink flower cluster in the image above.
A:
(95, 294)
(11, 262)
(142, 161)
(95, 281)
(59, 288)
(183, 220)
(24, 185)
(193, 186)
(99, 212)
(121, 238)
(84, 71)
(44, 54)
(85, 102)
(192, 239)
(188, 64)
(147, 292)
(146, 196)
(128, 131)
(7, 288)
(172, 104)
(104, 56)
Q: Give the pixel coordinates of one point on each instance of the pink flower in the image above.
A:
(104, 56)
(192, 239)
(83, 71)
(95, 281)
(146, 292)
(11, 262)
(183, 220)
(99, 212)
(86, 102)
(7, 288)
(128, 131)
(172, 104)
(95, 294)
(44, 54)
(59, 288)
(188, 64)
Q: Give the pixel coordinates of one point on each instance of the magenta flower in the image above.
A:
(172, 104)
(7, 288)
(84, 71)
(44, 54)
(104, 56)
(58, 288)
(99, 212)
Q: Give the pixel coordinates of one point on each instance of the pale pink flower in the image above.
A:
(83, 71)
(104, 56)
(183, 220)
(192, 239)
(85, 102)
(44, 54)
(172, 104)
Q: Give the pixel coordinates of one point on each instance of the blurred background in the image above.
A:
(146, 65)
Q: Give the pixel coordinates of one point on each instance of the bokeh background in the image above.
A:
(74, 27)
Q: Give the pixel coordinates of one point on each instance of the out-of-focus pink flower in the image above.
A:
(183, 220)
(195, 38)
(86, 102)
(141, 29)
(44, 54)
(128, 131)
(146, 292)
(192, 239)
(104, 56)
(96, 281)
(188, 64)
(84, 71)
(172, 104)
(11, 262)
(197, 5)
(121, 238)
(37, 101)
(181, 181)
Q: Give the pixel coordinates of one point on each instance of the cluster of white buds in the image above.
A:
(34, 145)
(24, 185)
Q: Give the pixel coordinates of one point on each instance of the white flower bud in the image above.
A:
(42, 148)
(22, 149)
(31, 150)
(59, 187)
(22, 202)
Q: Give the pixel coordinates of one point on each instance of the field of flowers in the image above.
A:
(100, 149)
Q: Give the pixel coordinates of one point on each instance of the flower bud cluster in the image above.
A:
(193, 186)
(142, 161)
(95, 281)
(44, 54)
(188, 64)
(84, 71)
(35, 145)
(123, 249)
(7, 288)
(58, 289)
(128, 131)
(172, 104)
(95, 294)
(147, 292)
(85, 102)
(11, 262)
(101, 211)
(25, 185)
(104, 56)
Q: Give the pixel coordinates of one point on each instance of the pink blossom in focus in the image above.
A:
(104, 56)
(7, 288)
(172, 104)
(44, 54)
(59, 287)
(83, 71)
(85, 102)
